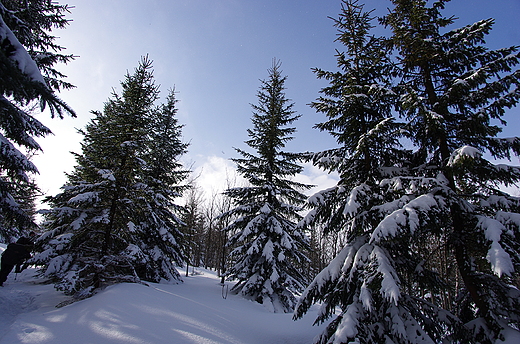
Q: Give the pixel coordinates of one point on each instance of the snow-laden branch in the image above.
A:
(19, 55)
(498, 258)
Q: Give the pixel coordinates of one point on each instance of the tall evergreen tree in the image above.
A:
(453, 89)
(28, 54)
(113, 221)
(267, 243)
(404, 217)
(164, 178)
(358, 104)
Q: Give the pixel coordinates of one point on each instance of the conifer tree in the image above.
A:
(194, 226)
(113, 221)
(267, 243)
(25, 195)
(28, 54)
(358, 104)
(164, 179)
(453, 89)
(406, 213)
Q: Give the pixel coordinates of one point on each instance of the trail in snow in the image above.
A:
(13, 303)
(187, 313)
(190, 312)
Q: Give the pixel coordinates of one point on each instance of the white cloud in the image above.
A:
(312, 175)
(215, 174)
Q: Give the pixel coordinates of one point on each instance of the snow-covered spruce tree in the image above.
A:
(363, 279)
(454, 93)
(161, 239)
(433, 254)
(25, 196)
(28, 54)
(267, 245)
(113, 222)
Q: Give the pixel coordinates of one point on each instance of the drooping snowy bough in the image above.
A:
(433, 253)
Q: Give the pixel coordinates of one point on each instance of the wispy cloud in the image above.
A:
(215, 174)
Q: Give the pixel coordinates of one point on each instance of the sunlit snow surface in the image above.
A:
(191, 312)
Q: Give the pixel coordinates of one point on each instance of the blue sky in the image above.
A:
(214, 52)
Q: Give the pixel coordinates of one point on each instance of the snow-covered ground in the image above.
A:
(191, 312)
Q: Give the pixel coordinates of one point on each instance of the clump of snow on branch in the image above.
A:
(463, 153)
(498, 258)
(19, 56)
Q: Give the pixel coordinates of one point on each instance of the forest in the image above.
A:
(416, 243)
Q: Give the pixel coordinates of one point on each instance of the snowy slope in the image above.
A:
(191, 312)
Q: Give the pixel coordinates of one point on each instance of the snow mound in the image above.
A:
(191, 312)
(12, 304)
(512, 336)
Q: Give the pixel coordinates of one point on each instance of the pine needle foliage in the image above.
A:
(115, 220)
(433, 252)
(28, 78)
(267, 245)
